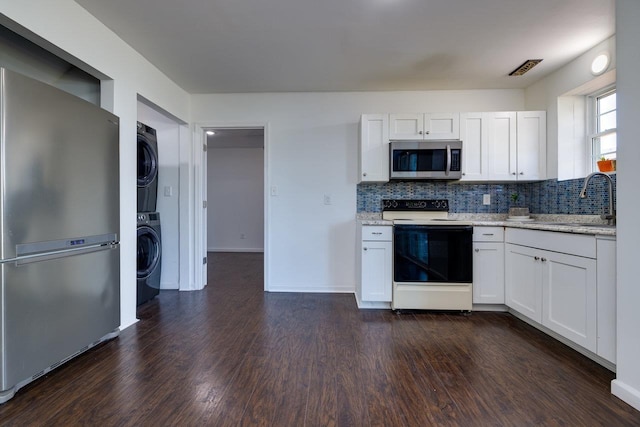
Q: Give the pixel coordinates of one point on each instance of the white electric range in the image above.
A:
(432, 256)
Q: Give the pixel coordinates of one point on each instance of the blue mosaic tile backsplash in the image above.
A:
(546, 197)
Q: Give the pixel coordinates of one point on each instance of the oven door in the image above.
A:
(425, 254)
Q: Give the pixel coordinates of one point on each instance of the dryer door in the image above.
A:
(147, 162)
(148, 253)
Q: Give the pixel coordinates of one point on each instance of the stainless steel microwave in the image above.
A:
(430, 159)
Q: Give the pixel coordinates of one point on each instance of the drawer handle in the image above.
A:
(536, 258)
(543, 259)
(377, 233)
(487, 234)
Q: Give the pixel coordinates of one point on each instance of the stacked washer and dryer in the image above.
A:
(149, 252)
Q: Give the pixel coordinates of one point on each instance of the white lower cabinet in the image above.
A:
(569, 297)
(488, 265)
(374, 286)
(523, 281)
(551, 278)
(606, 297)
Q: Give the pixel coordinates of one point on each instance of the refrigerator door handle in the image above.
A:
(30, 259)
(42, 248)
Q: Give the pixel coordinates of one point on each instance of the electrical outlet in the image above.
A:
(327, 199)
(168, 191)
(242, 236)
(274, 190)
(486, 199)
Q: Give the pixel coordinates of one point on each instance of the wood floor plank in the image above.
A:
(233, 355)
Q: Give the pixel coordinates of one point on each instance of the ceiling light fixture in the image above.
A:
(526, 66)
(600, 64)
(210, 132)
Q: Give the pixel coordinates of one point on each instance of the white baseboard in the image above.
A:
(490, 307)
(372, 304)
(628, 394)
(235, 249)
(316, 290)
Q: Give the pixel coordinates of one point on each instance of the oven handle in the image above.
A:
(426, 227)
(446, 172)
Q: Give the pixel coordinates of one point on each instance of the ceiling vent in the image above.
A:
(526, 66)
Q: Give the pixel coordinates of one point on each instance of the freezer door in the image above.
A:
(58, 165)
(53, 307)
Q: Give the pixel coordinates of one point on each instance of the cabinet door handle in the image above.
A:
(536, 258)
(521, 173)
(419, 132)
(543, 259)
(364, 174)
(513, 173)
(426, 132)
(364, 249)
(477, 250)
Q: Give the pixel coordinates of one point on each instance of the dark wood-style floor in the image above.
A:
(232, 355)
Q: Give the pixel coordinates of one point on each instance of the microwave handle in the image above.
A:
(448, 170)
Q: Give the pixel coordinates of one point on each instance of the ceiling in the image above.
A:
(226, 46)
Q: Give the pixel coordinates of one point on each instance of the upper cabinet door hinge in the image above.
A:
(204, 204)
(204, 147)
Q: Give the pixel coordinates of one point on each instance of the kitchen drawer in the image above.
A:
(574, 244)
(488, 234)
(377, 232)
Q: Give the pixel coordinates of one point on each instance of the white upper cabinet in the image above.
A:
(374, 148)
(504, 146)
(496, 146)
(424, 126)
(532, 145)
(473, 133)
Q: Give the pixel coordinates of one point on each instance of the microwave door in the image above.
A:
(404, 161)
(413, 162)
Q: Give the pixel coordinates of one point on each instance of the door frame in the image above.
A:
(200, 181)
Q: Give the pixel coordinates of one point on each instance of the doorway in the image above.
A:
(234, 187)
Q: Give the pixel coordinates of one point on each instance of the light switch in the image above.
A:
(168, 191)
(274, 190)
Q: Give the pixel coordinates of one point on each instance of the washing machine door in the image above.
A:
(148, 251)
(147, 162)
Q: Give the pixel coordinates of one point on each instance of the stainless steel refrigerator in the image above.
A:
(59, 228)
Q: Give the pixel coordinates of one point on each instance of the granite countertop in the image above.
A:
(578, 224)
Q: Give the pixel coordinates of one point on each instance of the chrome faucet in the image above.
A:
(611, 215)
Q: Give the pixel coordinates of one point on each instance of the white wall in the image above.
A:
(544, 94)
(69, 30)
(627, 384)
(312, 151)
(235, 207)
(168, 134)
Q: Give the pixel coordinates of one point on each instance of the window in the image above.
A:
(603, 135)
